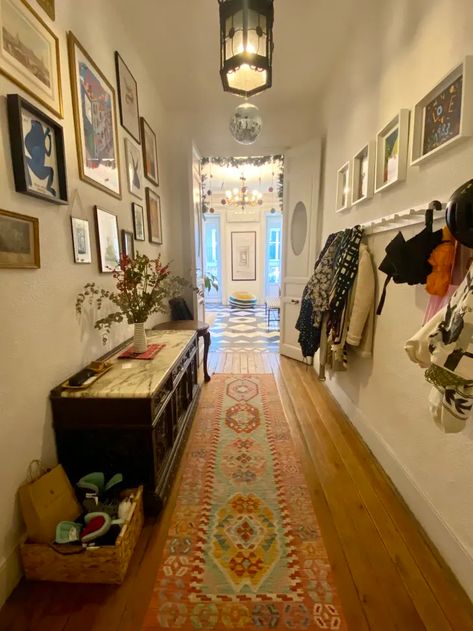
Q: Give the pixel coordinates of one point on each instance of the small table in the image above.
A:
(201, 328)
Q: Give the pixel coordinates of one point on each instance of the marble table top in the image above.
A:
(138, 378)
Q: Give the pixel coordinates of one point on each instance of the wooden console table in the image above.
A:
(134, 420)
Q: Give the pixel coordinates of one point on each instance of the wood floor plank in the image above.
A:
(220, 362)
(236, 364)
(244, 362)
(251, 363)
(259, 366)
(227, 368)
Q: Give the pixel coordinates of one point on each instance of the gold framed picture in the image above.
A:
(29, 54)
(49, 7)
(153, 206)
(19, 240)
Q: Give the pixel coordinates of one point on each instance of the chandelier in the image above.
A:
(242, 197)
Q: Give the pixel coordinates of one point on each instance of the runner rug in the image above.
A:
(244, 550)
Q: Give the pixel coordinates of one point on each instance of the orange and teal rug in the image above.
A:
(244, 550)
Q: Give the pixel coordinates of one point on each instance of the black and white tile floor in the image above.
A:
(244, 330)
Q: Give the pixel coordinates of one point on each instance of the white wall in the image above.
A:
(395, 57)
(41, 340)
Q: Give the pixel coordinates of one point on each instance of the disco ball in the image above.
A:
(246, 123)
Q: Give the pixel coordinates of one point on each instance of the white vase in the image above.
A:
(140, 344)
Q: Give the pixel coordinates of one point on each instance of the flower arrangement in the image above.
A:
(143, 287)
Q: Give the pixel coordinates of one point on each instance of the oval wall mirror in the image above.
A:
(298, 228)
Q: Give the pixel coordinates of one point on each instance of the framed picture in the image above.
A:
(49, 7)
(93, 100)
(243, 255)
(443, 116)
(108, 241)
(81, 240)
(150, 152)
(134, 169)
(391, 151)
(128, 245)
(37, 148)
(127, 98)
(29, 54)
(153, 205)
(343, 188)
(138, 221)
(19, 240)
(363, 174)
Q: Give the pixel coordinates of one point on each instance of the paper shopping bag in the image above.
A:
(45, 502)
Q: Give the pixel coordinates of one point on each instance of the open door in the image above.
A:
(198, 259)
(301, 184)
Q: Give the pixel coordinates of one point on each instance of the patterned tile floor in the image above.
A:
(243, 330)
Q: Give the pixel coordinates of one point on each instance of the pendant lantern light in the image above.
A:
(246, 45)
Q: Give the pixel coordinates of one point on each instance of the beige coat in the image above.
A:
(361, 315)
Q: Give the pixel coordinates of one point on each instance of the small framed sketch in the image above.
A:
(343, 188)
(93, 100)
(134, 169)
(391, 151)
(108, 241)
(138, 221)
(127, 98)
(37, 148)
(128, 245)
(443, 116)
(19, 240)
(243, 255)
(81, 240)
(153, 206)
(363, 174)
(150, 152)
(29, 54)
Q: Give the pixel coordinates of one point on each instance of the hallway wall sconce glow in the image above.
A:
(246, 45)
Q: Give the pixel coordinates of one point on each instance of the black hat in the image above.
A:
(459, 214)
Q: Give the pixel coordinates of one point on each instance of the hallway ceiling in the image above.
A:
(179, 42)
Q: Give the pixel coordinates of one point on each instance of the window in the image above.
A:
(274, 255)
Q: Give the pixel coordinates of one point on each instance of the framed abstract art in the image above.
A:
(243, 255)
(442, 117)
(19, 240)
(127, 98)
(150, 152)
(93, 100)
(138, 221)
(108, 241)
(81, 240)
(37, 148)
(391, 151)
(153, 206)
(134, 169)
(29, 54)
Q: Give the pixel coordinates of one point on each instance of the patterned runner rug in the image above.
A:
(244, 550)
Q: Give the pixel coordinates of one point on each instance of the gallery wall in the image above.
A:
(395, 58)
(42, 340)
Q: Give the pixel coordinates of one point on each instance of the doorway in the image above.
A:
(273, 256)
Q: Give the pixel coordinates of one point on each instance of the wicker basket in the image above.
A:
(105, 564)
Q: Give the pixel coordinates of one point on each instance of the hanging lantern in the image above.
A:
(246, 45)
(246, 123)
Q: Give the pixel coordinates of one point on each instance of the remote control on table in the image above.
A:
(81, 377)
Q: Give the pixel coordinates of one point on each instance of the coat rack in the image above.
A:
(404, 218)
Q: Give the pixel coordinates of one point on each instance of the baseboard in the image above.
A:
(10, 574)
(449, 546)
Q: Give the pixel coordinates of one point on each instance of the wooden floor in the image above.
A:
(388, 573)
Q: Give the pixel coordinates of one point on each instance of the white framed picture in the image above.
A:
(243, 255)
(363, 167)
(444, 116)
(134, 169)
(343, 188)
(81, 240)
(108, 240)
(391, 151)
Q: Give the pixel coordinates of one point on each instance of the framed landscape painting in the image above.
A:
(108, 240)
(19, 240)
(243, 255)
(138, 221)
(29, 54)
(93, 100)
(127, 98)
(150, 152)
(391, 151)
(134, 169)
(153, 204)
(81, 240)
(37, 147)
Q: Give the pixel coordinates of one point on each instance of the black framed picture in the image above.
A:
(128, 245)
(138, 221)
(127, 98)
(37, 149)
(153, 205)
